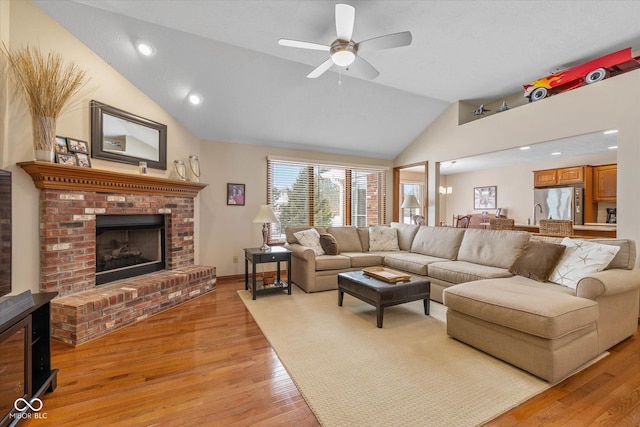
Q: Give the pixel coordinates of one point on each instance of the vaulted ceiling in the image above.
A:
(255, 91)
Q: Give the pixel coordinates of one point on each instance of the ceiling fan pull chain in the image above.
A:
(339, 78)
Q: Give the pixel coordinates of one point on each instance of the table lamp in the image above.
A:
(265, 216)
(410, 202)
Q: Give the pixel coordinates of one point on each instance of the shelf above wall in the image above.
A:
(76, 178)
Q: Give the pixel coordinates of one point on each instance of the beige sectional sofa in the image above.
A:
(542, 327)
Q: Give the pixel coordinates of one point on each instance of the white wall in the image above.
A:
(22, 23)
(227, 230)
(610, 104)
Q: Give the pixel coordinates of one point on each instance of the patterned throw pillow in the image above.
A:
(580, 259)
(383, 238)
(311, 239)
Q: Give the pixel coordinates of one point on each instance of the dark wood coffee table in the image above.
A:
(381, 294)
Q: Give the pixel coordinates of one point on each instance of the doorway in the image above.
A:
(410, 180)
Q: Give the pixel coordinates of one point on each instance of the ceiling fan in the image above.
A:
(344, 52)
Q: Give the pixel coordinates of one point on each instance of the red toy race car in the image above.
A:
(583, 74)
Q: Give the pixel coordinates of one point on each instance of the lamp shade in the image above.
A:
(410, 202)
(265, 215)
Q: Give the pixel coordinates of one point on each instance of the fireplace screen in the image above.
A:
(128, 246)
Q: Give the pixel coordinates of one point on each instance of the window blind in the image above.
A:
(304, 193)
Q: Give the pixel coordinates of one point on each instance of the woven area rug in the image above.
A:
(407, 373)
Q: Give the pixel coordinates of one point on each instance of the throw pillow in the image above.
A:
(311, 239)
(329, 244)
(580, 259)
(537, 261)
(382, 238)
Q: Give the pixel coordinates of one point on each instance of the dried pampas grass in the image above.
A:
(47, 84)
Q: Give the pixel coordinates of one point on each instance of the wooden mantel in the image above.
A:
(75, 178)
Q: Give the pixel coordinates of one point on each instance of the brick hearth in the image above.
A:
(70, 199)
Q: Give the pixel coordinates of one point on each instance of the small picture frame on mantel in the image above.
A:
(235, 194)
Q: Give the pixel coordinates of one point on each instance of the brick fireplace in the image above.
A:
(71, 198)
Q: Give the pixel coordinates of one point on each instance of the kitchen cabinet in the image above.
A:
(605, 183)
(560, 176)
(545, 178)
(573, 175)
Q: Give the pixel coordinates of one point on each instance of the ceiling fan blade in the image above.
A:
(362, 67)
(320, 69)
(345, 17)
(303, 45)
(385, 42)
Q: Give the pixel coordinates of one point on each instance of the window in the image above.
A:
(324, 195)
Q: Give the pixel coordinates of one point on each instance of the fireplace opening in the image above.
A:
(129, 246)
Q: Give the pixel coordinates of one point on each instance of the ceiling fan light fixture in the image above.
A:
(342, 53)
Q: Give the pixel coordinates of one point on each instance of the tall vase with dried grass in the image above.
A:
(47, 83)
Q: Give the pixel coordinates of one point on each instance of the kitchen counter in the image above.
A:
(586, 230)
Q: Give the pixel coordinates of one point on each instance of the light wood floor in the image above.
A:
(207, 363)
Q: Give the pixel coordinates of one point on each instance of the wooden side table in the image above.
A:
(256, 256)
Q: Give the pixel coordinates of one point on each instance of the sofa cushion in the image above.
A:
(347, 237)
(363, 234)
(441, 242)
(580, 259)
(626, 256)
(363, 259)
(462, 271)
(495, 248)
(329, 244)
(410, 262)
(537, 261)
(406, 234)
(383, 238)
(533, 308)
(311, 239)
(332, 262)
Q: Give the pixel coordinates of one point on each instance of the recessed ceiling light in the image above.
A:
(609, 132)
(613, 147)
(556, 153)
(195, 99)
(145, 48)
(526, 147)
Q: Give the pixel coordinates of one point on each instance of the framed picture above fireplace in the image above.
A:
(123, 137)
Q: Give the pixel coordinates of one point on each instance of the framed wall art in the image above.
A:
(485, 197)
(235, 194)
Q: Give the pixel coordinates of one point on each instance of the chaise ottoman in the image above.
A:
(531, 326)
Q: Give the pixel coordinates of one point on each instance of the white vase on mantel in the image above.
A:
(44, 136)
(44, 155)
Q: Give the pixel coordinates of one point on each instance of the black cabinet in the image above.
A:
(25, 355)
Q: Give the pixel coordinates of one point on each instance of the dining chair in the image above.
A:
(502, 224)
(556, 227)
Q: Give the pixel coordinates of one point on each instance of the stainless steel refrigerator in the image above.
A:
(559, 203)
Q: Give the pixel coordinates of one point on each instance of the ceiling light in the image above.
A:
(525, 148)
(613, 147)
(195, 99)
(556, 153)
(343, 54)
(145, 48)
(609, 132)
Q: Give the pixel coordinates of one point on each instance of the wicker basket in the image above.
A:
(502, 224)
(556, 227)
